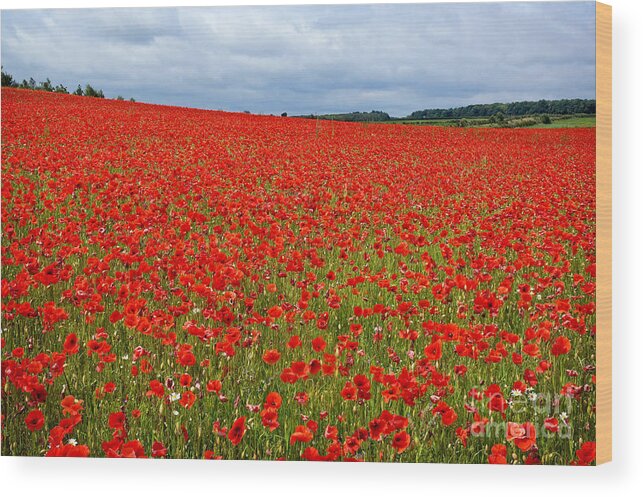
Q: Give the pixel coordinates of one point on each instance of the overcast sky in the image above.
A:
(312, 59)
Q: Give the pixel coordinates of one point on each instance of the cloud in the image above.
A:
(312, 59)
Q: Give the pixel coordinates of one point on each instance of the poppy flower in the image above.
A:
(116, 420)
(433, 352)
(561, 346)
(551, 425)
(158, 449)
(586, 454)
(237, 431)
(301, 434)
(35, 420)
(271, 356)
(319, 344)
(187, 399)
(401, 441)
(214, 386)
(273, 400)
(523, 436)
(71, 344)
(275, 312)
(498, 454)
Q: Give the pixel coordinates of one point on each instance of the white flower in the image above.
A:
(72, 441)
(176, 413)
(174, 396)
(532, 396)
(516, 393)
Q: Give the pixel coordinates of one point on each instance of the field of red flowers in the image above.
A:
(179, 283)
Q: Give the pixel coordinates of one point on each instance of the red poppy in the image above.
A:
(561, 346)
(273, 399)
(35, 420)
(271, 356)
(498, 454)
(187, 399)
(433, 352)
(275, 312)
(301, 434)
(214, 386)
(551, 424)
(237, 430)
(158, 449)
(586, 454)
(524, 436)
(71, 344)
(319, 344)
(401, 441)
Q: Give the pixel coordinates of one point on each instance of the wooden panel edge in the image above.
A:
(603, 233)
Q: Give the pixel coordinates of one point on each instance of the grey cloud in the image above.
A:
(312, 59)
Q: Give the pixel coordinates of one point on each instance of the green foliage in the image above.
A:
(554, 107)
(91, 92)
(372, 116)
(47, 85)
(7, 79)
(498, 119)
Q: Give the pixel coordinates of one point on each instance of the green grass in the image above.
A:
(570, 122)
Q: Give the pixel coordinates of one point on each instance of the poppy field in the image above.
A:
(182, 283)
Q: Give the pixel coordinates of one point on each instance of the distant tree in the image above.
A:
(514, 109)
(546, 119)
(132, 99)
(46, 85)
(91, 92)
(7, 79)
(78, 91)
(60, 89)
(498, 118)
(119, 98)
(372, 116)
(28, 85)
(284, 114)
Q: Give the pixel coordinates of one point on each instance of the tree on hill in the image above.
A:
(91, 92)
(7, 79)
(47, 85)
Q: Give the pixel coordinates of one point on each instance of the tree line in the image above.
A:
(372, 116)
(47, 85)
(525, 108)
(496, 113)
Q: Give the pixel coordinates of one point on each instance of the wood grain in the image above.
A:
(603, 233)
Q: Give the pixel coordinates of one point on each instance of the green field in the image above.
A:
(483, 122)
(571, 122)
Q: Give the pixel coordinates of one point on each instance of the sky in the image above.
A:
(312, 59)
